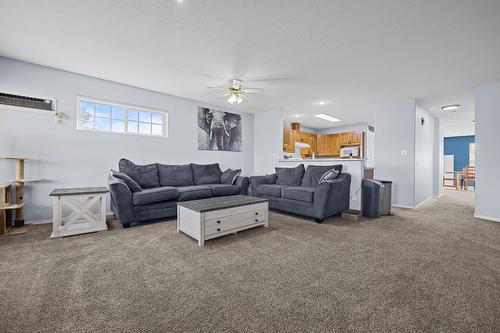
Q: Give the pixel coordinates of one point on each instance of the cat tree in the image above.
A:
(6, 207)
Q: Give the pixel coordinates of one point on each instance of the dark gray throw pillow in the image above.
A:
(329, 175)
(290, 176)
(315, 172)
(175, 175)
(229, 176)
(144, 175)
(132, 185)
(206, 173)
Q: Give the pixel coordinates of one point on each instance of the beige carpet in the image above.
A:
(435, 269)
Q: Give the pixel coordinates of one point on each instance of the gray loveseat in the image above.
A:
(149, 192)
(303, 192)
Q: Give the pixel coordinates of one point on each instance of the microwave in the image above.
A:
(349, 151)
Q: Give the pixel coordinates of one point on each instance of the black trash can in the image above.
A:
(372, 197)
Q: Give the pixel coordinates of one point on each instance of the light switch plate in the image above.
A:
(404, 152)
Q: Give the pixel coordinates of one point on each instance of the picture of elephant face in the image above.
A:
(218, 130)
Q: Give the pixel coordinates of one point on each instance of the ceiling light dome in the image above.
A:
(450, 107)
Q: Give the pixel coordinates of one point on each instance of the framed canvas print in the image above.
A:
(218, 130)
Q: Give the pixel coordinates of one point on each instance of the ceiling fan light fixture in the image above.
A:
(232, 99)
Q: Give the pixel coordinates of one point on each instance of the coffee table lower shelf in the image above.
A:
(211, 224)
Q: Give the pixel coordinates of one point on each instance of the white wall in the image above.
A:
(487, 107)
(65, 157)
(425, 167)
(438, 157)
(268, 144)
(395, 132)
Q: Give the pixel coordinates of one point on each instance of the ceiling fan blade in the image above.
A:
(207, 76)
(218, 88)
(273, 79)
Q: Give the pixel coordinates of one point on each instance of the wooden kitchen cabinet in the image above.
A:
(322, 145)
(356, 138)
(333, 145)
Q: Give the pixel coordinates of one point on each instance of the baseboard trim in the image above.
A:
(482, 217)
(403, 206)
(424, 202)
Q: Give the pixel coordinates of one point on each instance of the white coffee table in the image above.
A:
(215, 217)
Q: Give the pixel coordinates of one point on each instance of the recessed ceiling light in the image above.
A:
(296, 115)
(322, 102)
(327, 117)
(450, 107)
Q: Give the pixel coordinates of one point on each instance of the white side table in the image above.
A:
(84, 218)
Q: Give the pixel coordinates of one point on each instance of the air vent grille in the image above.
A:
(26, 101)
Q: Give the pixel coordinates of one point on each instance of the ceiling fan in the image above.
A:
(235, 92)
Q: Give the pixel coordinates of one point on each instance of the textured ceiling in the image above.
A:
(358, 54)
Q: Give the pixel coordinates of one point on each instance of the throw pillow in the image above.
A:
(132, 185)
(229, 176)
(144, 175)
(290, 176)
(315, 172)
(206, 173)
(329, 176)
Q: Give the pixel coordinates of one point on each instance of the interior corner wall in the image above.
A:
(66, 157)
(268, 140)
(425, 146)
(395, 133)
(487, 112)
(438, 157)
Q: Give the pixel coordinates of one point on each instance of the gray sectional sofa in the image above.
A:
(308, 192)
(149, 192)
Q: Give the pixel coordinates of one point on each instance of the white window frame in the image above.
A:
(126, 107)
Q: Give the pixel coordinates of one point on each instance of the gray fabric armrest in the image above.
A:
(121, 200)
(243, 182)
(331, 198)
(259, 180)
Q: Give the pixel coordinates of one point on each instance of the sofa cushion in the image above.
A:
(144, 175)
(290, 176)
(131, 184)
(224, 189)
(186, 193)
(272, 190)
(175, 175)
(152, 195)
(206, 173)
(314, 172)
(300, 193)
(229, 176)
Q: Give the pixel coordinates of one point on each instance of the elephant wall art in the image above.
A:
(218, 130)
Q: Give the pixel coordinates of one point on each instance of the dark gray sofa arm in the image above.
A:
(121, 200)
(331, 198)
(259, 180)
(243, 182)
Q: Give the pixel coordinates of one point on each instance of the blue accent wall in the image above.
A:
(459, 147)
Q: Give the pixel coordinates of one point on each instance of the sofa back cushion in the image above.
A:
(206, 173)
(313, 173)
(290, 176)
(175, 175)
(144, 175)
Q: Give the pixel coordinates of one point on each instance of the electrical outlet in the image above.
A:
(404, 152)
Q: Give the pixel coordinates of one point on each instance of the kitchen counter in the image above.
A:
(326, 159)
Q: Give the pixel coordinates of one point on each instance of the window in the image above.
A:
(103, 116)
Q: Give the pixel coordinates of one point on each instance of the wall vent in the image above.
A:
(28, 102)
(371, 128)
